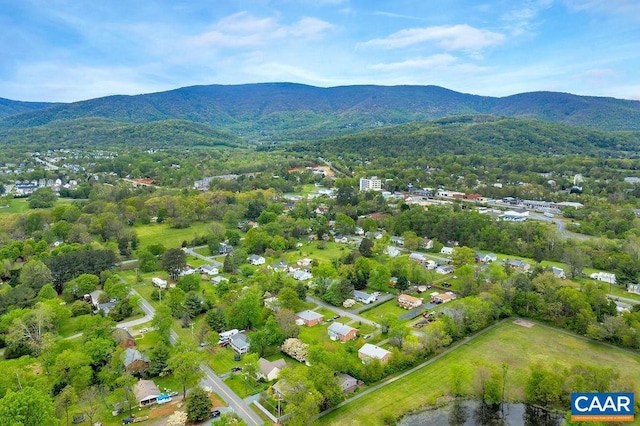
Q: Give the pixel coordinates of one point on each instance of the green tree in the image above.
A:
(42, 198)
(174, 261)
(216, 319)
(462, 256)
(193, 304)
(189, 283)
(366, 247)
(35, 274)
(147, 261)
(286, 320)
(47, 292)
(65, 400)
(116, 288)
(246, 312)
(289, 299)
(158, 359)
(458, 378)
(83, 284)
(162, 321)
(27, 407)
(185, 367)
(198, 405)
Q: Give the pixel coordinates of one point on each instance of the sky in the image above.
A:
(71, 50)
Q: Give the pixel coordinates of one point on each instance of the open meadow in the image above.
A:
(520, 347)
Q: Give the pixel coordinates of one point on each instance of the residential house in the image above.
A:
(369, 351)
(604, 276)
(444, 269)
(362, 297)
(146, 392)
(270, 370)
(342, 332)
(94, 298)
(417, 257)
(239, 343)
(409, 302)
(309, 318)
(392, 251)
(399, 241)
(225, 248)
(486, 258)
(427, 243)
(341, 239)
(123, 338)
(304, 263)
(443, 298)
(301, 275)
(218, 279)
(518, 265)
(348, 383)
(279, 267)
(134, 361)
(208, 270)
(430, 264)
(447, 251)
(105, 308)
(558, 272)
(255, 259)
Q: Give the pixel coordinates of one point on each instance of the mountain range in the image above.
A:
(275, 112)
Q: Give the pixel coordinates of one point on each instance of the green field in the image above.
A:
(389, 307)
(161, 233)
(518, 346)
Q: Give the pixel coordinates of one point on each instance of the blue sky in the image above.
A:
(69, 50)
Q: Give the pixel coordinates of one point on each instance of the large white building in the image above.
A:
(370, 184)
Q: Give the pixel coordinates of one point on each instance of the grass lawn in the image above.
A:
(518, 346)
(331, 251)
(221, 359)
(389, 307)
(161, 233)
(243, 387)
(315, 334)
(17, 205)
(204, 251)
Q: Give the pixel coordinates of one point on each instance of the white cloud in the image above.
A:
(447, 37)
(243, 30)
(600, 72)
(609, 6)
(524, 19)
(434, 61)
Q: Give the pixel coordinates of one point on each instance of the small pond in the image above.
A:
(471, 413)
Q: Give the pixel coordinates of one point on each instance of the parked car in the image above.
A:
(214, 414)
(225, 344)
(236, 369)
(128, 420)
(77, 418)
(367, 336)
(336, 317)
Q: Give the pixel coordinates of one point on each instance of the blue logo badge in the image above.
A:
(602, 407)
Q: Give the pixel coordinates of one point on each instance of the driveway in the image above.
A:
(341, 312)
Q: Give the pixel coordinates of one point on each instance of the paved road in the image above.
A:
(380, 300)
(341, 312)
(210, 379)
(210, 259)
(623, 299)
(239, 406)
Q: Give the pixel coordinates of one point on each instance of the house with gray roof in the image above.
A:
(309, 318)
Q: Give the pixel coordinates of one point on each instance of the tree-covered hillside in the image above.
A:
(9, 107)
(97, 132)
(480, 135)
(286, 111)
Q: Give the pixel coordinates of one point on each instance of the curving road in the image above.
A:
(341, 312)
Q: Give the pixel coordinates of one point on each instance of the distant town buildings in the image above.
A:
(370, 184)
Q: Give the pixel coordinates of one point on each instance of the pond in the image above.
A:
(471, 412)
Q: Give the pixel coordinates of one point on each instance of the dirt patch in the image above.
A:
(165, 410)
(524, 323)
(216, 402)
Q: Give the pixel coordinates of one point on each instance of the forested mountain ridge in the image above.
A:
(287, 111)
(484, 135)
(96, 132)
(9, 107)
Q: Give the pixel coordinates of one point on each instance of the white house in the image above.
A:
(444, 269)
(486, 258)
(446, 251)
(558, 272)
(301, 275)
(430, 264)
(208, 269)
(369, 351)
(239, 343)
(392, 251)
(417, 257)
(342, 332)
(363, 297)
(604, 276)
(270, 370)
(218, 279)
(254, 259)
